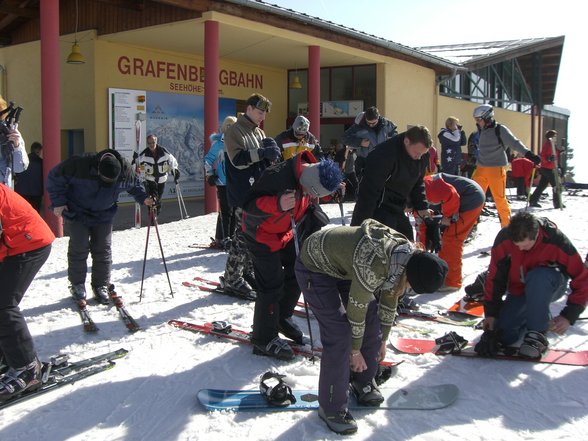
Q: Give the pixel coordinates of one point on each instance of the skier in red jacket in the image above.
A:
(25, 244)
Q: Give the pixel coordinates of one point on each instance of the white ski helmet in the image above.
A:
(485, 111)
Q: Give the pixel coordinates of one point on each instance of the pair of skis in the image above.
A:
(227, 331)
(59, 371)
(88, 323)
(456, 316)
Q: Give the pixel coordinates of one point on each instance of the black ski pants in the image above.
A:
(547, 178)
(277, 288)
(16, 274)
(95, 240)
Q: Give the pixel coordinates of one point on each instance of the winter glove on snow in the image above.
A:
(176, 175)
(488, 344)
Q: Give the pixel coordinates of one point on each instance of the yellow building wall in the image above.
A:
(22, 64)
(518, 123)
(22, 80)
(406, 94)
(127, 67)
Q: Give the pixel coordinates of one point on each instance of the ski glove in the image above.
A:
(176, 175)
(269, 150)
(533, 157)
(488, 344)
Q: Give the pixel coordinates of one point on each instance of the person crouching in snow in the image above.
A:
(352, 278)
(531, 263)
(461, 201)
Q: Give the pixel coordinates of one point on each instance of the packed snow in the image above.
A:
(151, 393)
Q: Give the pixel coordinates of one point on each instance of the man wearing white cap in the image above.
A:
(298, 139)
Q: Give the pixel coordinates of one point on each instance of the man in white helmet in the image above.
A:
(492, 158)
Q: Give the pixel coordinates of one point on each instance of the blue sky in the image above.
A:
(430, 22)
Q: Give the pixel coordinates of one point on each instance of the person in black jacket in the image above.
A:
(29, 183)
(84, 190)
(395, 171)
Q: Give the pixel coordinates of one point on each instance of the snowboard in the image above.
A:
(553, 356)
(242, 336)
(410, 398)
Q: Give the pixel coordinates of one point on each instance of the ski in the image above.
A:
(410, 398)
(59, 372)
(127, 318)
(213, 286)
(87, 322)
(226, 331)
(553, 356)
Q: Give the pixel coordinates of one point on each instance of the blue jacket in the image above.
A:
(214, 161)
(76, 184)
(451, 142)
(354, 135)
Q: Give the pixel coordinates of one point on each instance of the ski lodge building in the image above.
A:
(94, 74)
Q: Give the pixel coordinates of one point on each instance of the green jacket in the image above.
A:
(373, 257)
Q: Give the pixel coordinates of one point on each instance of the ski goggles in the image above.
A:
(263, 104)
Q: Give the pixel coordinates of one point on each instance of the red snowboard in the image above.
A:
(553, 356)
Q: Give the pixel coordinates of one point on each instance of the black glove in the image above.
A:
(211, 179)
(488, 344)
(533, 157)
(269, 150)
(551, 158)
(176, 175)
(433, 234)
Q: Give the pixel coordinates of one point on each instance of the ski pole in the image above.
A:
(145, 255)
(171, 291)
(182, 205)
(297, 247)
(530, 188)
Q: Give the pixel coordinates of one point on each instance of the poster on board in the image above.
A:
(178, 122)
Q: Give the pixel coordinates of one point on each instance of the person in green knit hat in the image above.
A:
(352, 278)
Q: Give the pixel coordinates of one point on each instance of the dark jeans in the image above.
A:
(84, 240)
(16, 274)
(328, 298)
(530, 312)
(225, 223)
(277, 288)
(547, 178)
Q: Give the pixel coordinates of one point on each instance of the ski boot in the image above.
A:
(534, 345)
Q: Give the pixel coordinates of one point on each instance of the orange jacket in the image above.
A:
(21, 227)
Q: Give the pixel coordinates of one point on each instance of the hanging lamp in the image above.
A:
(76, 57)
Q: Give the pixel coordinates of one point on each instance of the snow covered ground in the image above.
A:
(150, 394)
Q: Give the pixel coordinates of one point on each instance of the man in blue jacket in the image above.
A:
(369, 130)
(84, 191)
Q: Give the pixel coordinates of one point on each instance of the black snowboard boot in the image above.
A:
(534, 345)
(367, 394)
